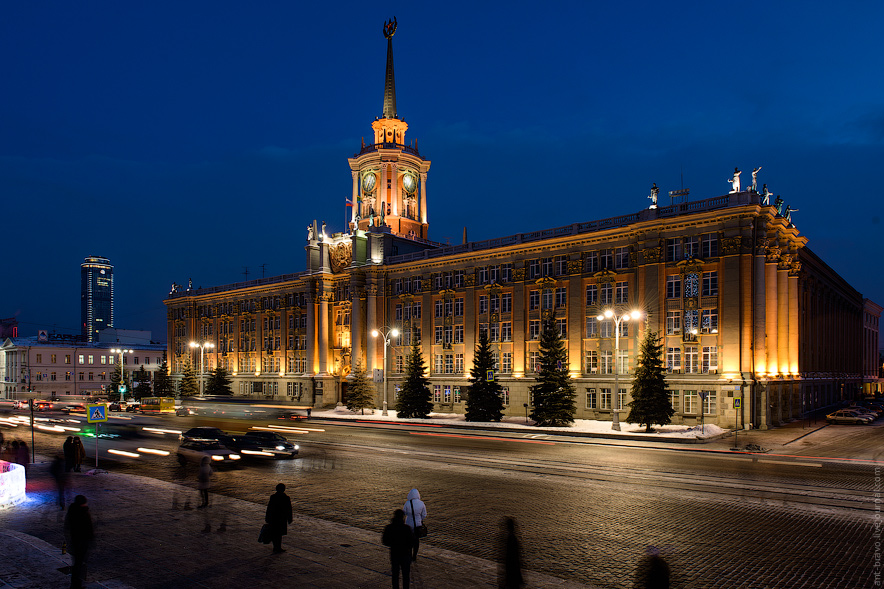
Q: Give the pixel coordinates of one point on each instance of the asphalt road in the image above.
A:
(587, 510)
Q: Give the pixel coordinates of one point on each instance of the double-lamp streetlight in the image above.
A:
(202, 348)
(615, 398)
(387, 333)
(122, 371)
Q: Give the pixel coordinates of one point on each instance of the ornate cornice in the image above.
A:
(731, 245)
(652, 255)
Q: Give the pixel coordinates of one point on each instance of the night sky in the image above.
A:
(196, 139)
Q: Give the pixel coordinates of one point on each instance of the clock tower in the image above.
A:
(389, 176)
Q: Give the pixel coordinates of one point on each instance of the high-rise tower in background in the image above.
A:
(96, 296)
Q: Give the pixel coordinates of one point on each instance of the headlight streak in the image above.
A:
(153, 451)
(124, 453)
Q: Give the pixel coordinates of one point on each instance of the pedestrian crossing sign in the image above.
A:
(96, 413)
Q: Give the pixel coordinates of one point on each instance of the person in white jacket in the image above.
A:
(415, 514)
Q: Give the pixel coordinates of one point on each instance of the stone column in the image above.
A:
(770, 324)
(371, 312)
(357, 329)
(311, 333)
(382, 192)
(423, 211)
(793, 320)
(783, 317)
(355, 197)
(760, 315)
(323, 333)
(395, 196)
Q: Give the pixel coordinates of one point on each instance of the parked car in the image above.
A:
(42, 406)
(194, 450)
(204, 433)
(116, 406)
(876, 407)
(848, 416)
(262, 445)
(863, 411)
(75, 409)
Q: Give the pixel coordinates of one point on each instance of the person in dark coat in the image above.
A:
(79, 534)
(652, 572)
(278, 516)
(68, 449)
(79, 453)
(60, 477)
(511, 569)
(400, 538)
(24, 455)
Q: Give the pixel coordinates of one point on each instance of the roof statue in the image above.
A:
(788, 213)
(735, 181)
(653, 196)
(390, 80)
(765, 194)
(755, 179)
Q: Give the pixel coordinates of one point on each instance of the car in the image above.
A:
(262, 445)
(194, 450)
(863, 411)
(848, 416)
(75, 409)
(290, 415)
(116, 406)
(875, 407)
(203, 433)
(133, 407)
(42, 406)
(185, 411)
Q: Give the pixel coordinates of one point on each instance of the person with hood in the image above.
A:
(68, 449)
(278, 516)
(24, 455)
(204, 481)
(400, 538)
(415, 514)
(79, 453)
(79, 535)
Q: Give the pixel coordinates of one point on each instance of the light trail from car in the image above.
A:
(124, 453)
(482, 438)
(153, 451)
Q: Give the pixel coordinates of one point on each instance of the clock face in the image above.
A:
(368, 182)
(409, 183)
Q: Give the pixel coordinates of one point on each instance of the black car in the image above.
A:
(204, 433)
(261, 445)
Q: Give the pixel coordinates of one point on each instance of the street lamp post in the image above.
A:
(615, 397)
(386, 333)
(202, 348)
(122, 370)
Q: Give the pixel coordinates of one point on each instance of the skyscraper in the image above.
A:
(96, 296)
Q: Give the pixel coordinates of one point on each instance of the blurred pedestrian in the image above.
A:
(400, 538)
(68, 449)
(204, 481)
(79, 453)
(415, 514)
(511, 558)
(652, 572)
(61, 477)
(12, 452)
(79, 535)
(278, 516)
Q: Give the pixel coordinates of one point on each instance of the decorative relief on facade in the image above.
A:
(773, 254)
(605, 277)
(340, 256)
(518, 274)
(448, 293)
(469, 280)
(371, 290)
(652, 255)
(575, 267)
(495, 317)
(785, 261)
(795, 267)
(546, 282)
(448, 320)
(761, 245)
(547, 314)
(633, 258)
(692, 266)
(426, 284)
(731, 245)
(691, 303)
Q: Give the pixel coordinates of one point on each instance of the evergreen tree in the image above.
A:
(190, 385)
(553, 394)
(162, 384)
(113, 391)
(650, 402)
(414, 397)
(362, 391)
(142, 389)
(218, 382)
(483, 396)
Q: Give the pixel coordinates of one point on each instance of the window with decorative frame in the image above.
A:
(673, 359)
(592, 294)
(710, 359)
(621, 258)
(592, 362)
(673, 322)
(675, 400)
(533, 329)
(533, 300)
(591, 399)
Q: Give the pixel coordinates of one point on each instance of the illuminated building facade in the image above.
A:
(756, 328)
(96, 296)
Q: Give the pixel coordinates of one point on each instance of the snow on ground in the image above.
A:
(511, 422)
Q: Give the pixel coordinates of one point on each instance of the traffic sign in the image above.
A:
(489, 376)
(96, 413)
(736, 403)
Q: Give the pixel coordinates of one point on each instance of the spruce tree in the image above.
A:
(650, 402)
(483, 399)
(361, 393)
(414, 396)
(190, 385)
(143, 388)
(162, 384)
(553, 394)
(115, 382)
(218, 382)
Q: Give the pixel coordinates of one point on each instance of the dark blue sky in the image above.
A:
(191, 140)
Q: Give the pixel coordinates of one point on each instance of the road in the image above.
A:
(587, 509)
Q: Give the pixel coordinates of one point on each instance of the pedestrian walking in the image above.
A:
(79, 535)
(12, 452)
(400, 538)
(204, 481)
(79, 453)
(24, 455)
(278, 516)
(415, 514)
(68, 449)
(511, 557)
(652, 572)
(60, 476)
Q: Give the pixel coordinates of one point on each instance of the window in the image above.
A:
(82, 376)
(458, 307)
(458, 334)
(690, 359)
(494, 332)
(67, 359)
(91, 376)
(607, 328)
(437, 393)
(709, 245)
(607, 362)
(710, 403)
(561, 265)
(690, 324)
(449, 363)
(398, 313)
(592, 325)
(483, 304)
(691, 247)
(621, 257)
(547, 268)
(440, 363)
(710, 358)
(483, 275)
(691, 285)
(458, 363)
(623, 362)
(562, 327)
(494, 301)
(39, 358)
(506, 272)
(51, 376)
(591, 399)
(621, 399)
(448, 334)
(506, 302)
(592, 262)
(448, 307)
(506, 331)
(446, 393)
(710, 284)
(673, 322)
(592, 362)
(438, 334)
(534, 361)
(673, 359)
(67, 375)
(506, 362)
(81, 359)
(438, 308)
(533, 300)
(399, 364)
(547, 298)
(416, 310)
(709, 321)
(533, 329)
(592, 294)
(605, 398)
(456, 394)
(621, 294)
(534, 269)
(690, 402)
(675, 400)
(607, 294)
(673, 286)
(102, 359)
(561, 297)
(505, 395)
(673, 250)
